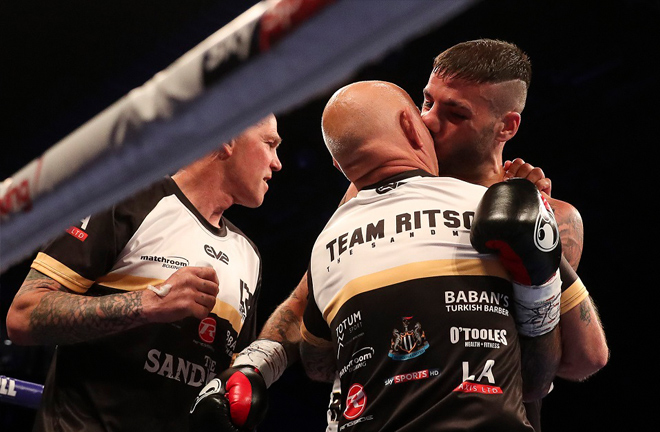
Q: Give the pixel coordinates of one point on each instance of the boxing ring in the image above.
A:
(272, 58)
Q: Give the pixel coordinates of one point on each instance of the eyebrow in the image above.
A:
(450, 102)
(426, 94)
(274, 138)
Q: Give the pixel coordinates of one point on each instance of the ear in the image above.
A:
(510, 124)
(407, 123)
(226, 150)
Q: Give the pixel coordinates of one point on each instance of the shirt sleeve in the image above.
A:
(83, 253)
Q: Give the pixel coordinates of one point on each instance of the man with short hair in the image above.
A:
(151, 298)
(472, 106)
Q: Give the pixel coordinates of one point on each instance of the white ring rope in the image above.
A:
(187, 109)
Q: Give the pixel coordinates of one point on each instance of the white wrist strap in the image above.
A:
(267, 356)
(537, 308)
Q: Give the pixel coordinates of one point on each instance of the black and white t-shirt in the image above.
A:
(420, 323)
(146, 379)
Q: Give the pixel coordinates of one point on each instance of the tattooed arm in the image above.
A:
(571, 230)
(584, 347)
(284, 324)
(585, 351)
(581, 340)
(44, 312)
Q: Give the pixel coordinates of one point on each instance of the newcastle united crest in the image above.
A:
(408, 343)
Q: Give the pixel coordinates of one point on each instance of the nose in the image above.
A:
(431, 120)
(276, 164)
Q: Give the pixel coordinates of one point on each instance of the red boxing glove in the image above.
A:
(247, 396)
(236, 401)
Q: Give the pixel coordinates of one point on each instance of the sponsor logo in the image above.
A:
(230, 343)
(212, 387)
(389, 187)
(84, 222)
(246, 300)
(356, 402)
(77, 233)
(219, 255)
(207, 329)
(180, 369)
(477, 301)
(348, 325)
(358, 360)
(478, 338)
(356, 421)
(173, 262)
(412, 376)
(408, 343)
(473, 384)
(467, 387)
(546, 232)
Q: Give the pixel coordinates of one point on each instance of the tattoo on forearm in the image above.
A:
(63, 317)
(288, 326)
(585, 313)
(284, 327)
(35, 280)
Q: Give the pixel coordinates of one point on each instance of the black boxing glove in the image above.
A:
(236, 401)
(516, 222)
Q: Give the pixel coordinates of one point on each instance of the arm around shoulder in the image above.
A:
(584, 346)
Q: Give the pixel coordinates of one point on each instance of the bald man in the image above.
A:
(417, 324)
(369, 144)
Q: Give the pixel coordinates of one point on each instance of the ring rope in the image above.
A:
(272, 58)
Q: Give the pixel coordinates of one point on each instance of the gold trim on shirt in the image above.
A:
(573, 296)
(61, 273)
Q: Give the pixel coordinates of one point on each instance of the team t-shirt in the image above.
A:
(420, 323)
(146, 379)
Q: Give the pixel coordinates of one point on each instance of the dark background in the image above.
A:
(590, 123)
